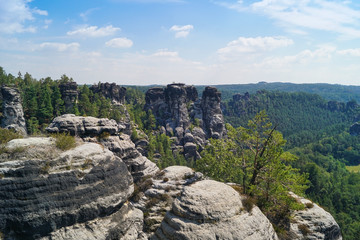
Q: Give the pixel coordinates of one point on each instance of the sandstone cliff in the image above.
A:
(188, 120)
(13, 114)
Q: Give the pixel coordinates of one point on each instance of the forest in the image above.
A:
(314, 125)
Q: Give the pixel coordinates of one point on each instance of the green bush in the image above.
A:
(8, 134)
(64, 141)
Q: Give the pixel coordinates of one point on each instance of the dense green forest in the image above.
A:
(317, 132)
(315, 128)
(301, 117)
(334, 92)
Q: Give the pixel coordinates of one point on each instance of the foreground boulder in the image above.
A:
(313, 223)
(13, 114)
(213, 210)
(43, 190)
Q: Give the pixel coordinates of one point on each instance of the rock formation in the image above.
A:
(188, 120)
(69, 94)
(111, 91)
(43, 190)
(213, 210)
(13, 114)
(83, 126)
(313, 222)
(212, 114)
(106, 132)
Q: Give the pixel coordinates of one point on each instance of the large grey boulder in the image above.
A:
(13, 114)
(157, 193)
(43, 189)
(83, 126)
(313, 222)
(213, 210)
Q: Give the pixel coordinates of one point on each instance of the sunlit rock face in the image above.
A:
(190, 121)
(13, 114)
(212, 210)
(43, 189)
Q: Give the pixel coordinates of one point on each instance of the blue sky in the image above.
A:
(145, 42)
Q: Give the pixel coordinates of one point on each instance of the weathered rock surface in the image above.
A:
(138, 165)
(157, 193)
(40, 195)
(213, 210)
(214, 123)
(83, 126)
(111, 91)
(313, 223)
(13, 114)
(125, 224)
(69, 94)
(182, 115)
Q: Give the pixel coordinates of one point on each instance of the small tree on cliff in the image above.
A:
(254, 158)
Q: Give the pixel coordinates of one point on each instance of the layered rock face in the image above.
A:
(313, 223)
(212, 114)
(111, 91)
(188, 120)
(69, 94)
(213, 210)
(90, 128)
(43, 190)
(83, 126)
(13, 114)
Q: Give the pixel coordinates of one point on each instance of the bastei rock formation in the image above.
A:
(111, 91)
(69, 94)
(188, 120)
(13, 114)
(105, 189)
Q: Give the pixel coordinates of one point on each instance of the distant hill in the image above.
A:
(334, 92)
(301, 117)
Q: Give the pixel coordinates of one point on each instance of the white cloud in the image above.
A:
(15, 14)
(352, 52)
(166, 53)
(244, 45)
(119, 43)
(94, 31)
(294, 15)
(181, 31)
(85, 15)
(60, 47)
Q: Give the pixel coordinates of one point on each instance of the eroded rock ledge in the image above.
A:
(39, 195)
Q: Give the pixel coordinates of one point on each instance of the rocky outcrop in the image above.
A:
(214, 124)
(313, 223)
(188, 120)
(69, 94)
(157, 194)
(213, 210)
(83, 126)
(111, 91)
(46, 192)
(106, 132)
(13, 114)
(138, 165)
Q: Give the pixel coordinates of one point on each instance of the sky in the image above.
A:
(201, 42)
